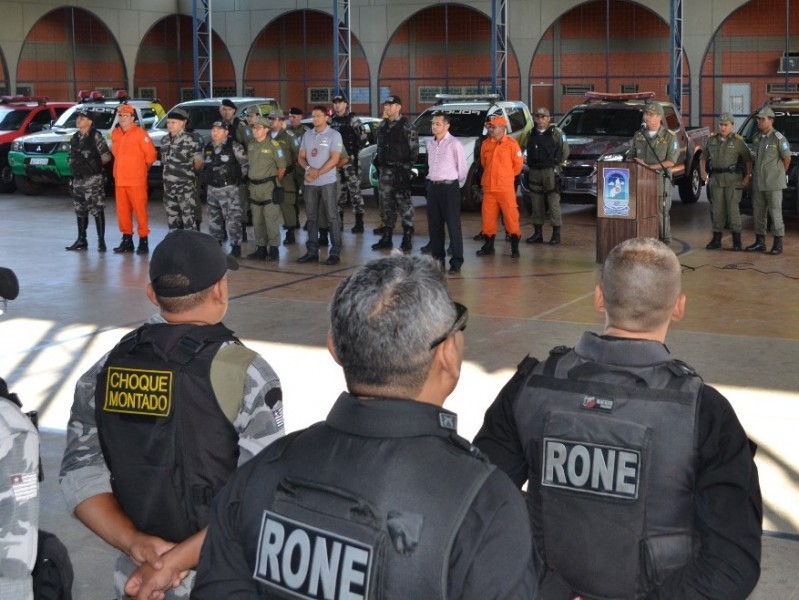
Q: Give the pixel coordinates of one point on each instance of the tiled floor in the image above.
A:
(741, 332)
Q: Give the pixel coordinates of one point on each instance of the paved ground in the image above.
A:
(741, 332)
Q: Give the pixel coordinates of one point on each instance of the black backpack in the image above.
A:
(52, 574)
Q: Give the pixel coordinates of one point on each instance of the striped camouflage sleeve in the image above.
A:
(259, 421)
(84, 472)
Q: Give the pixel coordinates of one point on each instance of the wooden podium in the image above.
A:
(627, 204)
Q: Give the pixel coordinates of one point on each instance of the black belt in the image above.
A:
(262, 181)
(541, 168)
(260, 202)
(221, 185)
(443, 181)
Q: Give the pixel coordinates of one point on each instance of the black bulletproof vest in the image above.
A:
(611, 487)
(165, 439)
(220, 168)
(376, 521)
(543, 150)
(344, 126)
(83, 154)
(392, 143)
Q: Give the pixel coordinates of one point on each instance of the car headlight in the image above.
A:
(617, 157)
(16, 146)
(64, 147)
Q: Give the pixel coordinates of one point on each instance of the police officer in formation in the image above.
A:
(178, 404)
(384, 487)
(224, 166)
(352, 132)
(772, 157)
(182, 158)
(547, 151)
(239, 131)
(291, 150)
(657, 148)
(19, 481)
(397, 149)
(642, 482)
(267, 158)
(727, 164)
(298, 128)
(88, 155)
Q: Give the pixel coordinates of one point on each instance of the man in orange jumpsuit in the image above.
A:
(502, 162)
(133, 154)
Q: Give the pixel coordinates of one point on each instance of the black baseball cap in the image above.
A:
(295, 111)
(84, 113)
(229, 103)
(340, 98)
(392, 100)
(193, 254)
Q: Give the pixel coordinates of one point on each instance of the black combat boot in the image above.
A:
(259, 254)
(736, 242)
(555, 239)
(323, 239)
(379, 229)
(514, 246)
(488, 246)
(126, 245)
(243, 233)
(777, 247)
(479, 237)
(358, 227)
(274, 254)
(289, 237)
(385, 242)
(538, 235)
(406, 245)
(99, 221)
(80, 243)
(715, 243)
(759, 245)
(235, 250)
(144, 246)
(425, 249)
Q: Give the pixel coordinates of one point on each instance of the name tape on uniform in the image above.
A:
(308, 562)
(138, 392)
(591, 468)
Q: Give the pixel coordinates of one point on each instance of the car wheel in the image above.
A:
(26, 186)
(691, 185)
(472, 193)
(7, 183)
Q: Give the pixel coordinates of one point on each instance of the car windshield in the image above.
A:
(463, 122)
(786, 123)
(622, 122)
(200, 117)
(103, 117)
(11, 120)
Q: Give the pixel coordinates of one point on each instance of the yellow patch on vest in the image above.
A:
(138, 392)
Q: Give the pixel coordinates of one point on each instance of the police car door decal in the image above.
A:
(308, 562)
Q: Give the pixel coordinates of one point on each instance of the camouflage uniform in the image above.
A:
(354, 137)
(241, 133)
(224, 208)
(178, 155)
(19, 500)
(84, 472)
(298, 175)
(88, 194)
(663, 147)
(394, 161)
(291, 152)
(266, 158)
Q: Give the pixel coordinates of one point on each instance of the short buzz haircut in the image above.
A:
(385, 316)
(442, 114)
(320, 107)
(641, 282)
(179, 304)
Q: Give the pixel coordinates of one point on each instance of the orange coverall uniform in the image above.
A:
(502, 162)
(133, 152)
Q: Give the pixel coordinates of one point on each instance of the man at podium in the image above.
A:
(656, 147)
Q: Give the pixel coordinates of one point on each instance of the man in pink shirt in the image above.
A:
(447, 162)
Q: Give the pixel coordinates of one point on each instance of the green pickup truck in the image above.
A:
(42, 158)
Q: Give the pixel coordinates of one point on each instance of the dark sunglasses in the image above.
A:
(461, 318)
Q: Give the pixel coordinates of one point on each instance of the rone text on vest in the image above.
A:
(591, 468)
(311, 563)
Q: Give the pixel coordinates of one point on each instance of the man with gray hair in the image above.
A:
(382, 499)
(641, 480)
